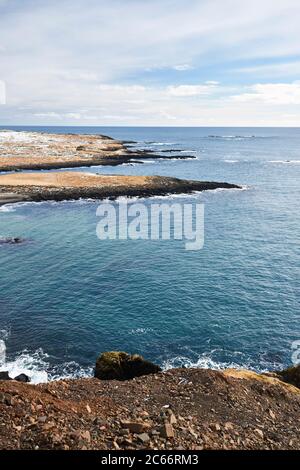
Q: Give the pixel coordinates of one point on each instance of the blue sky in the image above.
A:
(167, 62)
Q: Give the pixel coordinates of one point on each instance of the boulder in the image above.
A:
(118, 365)
(290, 375)
(4, 376)
(22, 378)
(11, 240)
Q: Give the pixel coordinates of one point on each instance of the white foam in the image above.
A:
(208, 360)
(162, 143)
(2, 352)
(7, 208)
(236, 137)
(36, 366)
(140, 331)
(285, 162)
(32, 364)
(203, 362)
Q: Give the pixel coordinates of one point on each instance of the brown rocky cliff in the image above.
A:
(177, 409)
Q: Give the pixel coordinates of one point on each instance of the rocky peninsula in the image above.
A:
(59, 186)
(194, 409)
(46, 151)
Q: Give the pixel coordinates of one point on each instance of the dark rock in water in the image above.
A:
(4, 376)
(22, 378)
(11, 240)
(118, 365)
(290, 375)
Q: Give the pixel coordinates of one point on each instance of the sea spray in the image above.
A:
(2, 352)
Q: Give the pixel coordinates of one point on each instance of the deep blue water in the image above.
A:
(65, 296)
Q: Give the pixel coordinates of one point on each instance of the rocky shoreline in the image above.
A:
(45, 151)
(21, 151)
(63, 186)
(193, 409)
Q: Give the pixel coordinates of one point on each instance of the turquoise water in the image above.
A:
(66, 296)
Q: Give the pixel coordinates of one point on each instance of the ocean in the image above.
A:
(66, 296)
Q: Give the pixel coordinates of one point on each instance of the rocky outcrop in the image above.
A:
(22, 378)
(45, 151)
(19, 378)
(11, 240)
(4, 376)
(290, 375)
(116, 365)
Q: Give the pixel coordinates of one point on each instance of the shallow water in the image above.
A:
(66, 296)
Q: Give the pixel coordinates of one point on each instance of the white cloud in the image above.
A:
(190, 90)
(73, 115)
(52, 114)
(77, 61)
(284, 69)
(271, 93)
(123, 89)
(183, 67)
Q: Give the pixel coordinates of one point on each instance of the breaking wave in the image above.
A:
(37, 366)
(285, 162)
(210, 360)
(238, 137)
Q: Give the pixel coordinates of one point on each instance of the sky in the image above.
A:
(150, 63)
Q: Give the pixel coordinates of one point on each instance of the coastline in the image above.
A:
(44, 151)
(62, 186)
(207, 409)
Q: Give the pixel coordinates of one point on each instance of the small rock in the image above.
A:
(17, 428)
(144, 437)
(167, 431)
(42, 419)
(48, 426)
(192, 432)
(272, 414)
(88, 409)
(22, 378)
(216, 427)
(135, 427)
(259, 432)
(127, 442)
(9, 401)
(4, 376)
(171, 417)
(228, 426)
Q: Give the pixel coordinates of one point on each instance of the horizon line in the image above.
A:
(151, 127)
